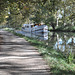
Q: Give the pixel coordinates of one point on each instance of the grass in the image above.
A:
(57, 62)
(67, 28)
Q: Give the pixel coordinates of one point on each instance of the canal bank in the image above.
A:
(18, 57)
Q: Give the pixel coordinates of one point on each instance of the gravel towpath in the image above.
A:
(18, 57)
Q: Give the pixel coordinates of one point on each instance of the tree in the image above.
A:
(67, 9)
(17, 12)
(37, 10)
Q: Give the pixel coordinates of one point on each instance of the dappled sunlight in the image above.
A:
(20, 69)
(18, 57)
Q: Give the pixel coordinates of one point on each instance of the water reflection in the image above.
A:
(40, 36)
(65, 42)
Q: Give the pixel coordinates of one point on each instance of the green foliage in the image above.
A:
(37, 11)
(37, 18)
(66, 28)
(17, 13)
(70, 57)
(51, 21)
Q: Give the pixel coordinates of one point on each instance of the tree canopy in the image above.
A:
(16, 12)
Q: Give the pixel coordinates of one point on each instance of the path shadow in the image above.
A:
(20, 69)
(14, 59)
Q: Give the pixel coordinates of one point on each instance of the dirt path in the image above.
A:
(18, 57)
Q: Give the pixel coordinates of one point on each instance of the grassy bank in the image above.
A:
(57, 62)
(66, 28)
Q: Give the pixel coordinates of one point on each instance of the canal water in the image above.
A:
(62, 41)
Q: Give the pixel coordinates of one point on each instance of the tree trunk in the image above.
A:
(53, 25)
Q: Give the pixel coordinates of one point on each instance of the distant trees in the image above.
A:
(67, 8)
(16, 12)
(45, 12)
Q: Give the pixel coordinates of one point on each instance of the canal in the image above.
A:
(62, 41)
